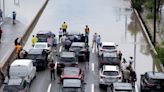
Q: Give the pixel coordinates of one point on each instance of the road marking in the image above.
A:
(136, 88)
(92, 87)
(60, 49)
(49, 88)
(93, 66)
(93, 50)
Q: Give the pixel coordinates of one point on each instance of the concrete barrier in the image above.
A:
(11, 54)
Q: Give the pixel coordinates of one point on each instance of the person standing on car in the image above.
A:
(94, 40)
(51, 66)
(60, 34)
(64, 27)
(87, 30)
(98, 41)
(34, 40)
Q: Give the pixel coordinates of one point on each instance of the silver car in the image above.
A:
(109, 74)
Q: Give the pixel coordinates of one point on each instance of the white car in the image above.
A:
(107, 47)
(109, 74)
(42, 45)
(22, 68)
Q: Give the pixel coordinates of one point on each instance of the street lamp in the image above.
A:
(155, 11)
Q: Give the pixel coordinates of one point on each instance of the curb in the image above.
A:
(147, 37)
(11, 54)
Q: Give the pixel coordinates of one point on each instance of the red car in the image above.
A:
(72, 73)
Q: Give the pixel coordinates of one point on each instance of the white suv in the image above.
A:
(109, 74)
(107, 47)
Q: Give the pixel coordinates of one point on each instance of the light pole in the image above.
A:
(4, 8)
(155, 11)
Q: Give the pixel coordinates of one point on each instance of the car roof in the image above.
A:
(67, 54)
(35, 51)
(156, 75)
(71, 70)
(71, 83)
(122, 86)
(109, 54)
(44, 32)
(41, 43)
(108, 44)
(110, 68)
(24, 62)
(16, 81)
(80, 44)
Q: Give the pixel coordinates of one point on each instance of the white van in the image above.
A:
(23, 68)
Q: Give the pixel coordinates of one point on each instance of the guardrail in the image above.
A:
(11, 54)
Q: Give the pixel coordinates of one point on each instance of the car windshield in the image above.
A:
(76, 47)
(108, 59)
(157, 81)
(108, 47)
(71, 90)
(12, 88)
(34, 56)
(71, 72)
(41, 46)
(67, 59)
(110, 73)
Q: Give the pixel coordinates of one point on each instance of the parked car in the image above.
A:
(39, 57)
(42, 45)
(66, 59)
(109, 58)
(16, 85)
(72, 35)
(120, 87)
(72, 73)
(81, 50)
(43, 35)
(22, 68)
(152, 81)
(107, 47)
(72, 85)
(109, 74)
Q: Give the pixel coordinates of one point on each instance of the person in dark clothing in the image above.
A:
(120, 55)
(133, 77)
(67, 44)
(0, 34)
(14, 16)
(82, 38)
(51, 66)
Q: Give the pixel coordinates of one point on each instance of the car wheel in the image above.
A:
(100, 85)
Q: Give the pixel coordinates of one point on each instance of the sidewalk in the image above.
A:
(11, 32)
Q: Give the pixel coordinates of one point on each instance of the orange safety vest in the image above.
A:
(18, 48)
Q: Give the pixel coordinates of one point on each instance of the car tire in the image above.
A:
(100, 85)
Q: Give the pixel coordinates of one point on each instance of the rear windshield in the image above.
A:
(12, 88)
(40, 46)
(71, 90)
(110, 73)
(67, 59)
(108, 47)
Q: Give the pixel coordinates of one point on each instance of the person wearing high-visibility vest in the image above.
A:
(18, 48)
(34, 40)
(64, 27)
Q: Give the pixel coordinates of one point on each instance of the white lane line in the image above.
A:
(93, 66)
(60, 49)
(92, 87)
(136, 88)
(93, 50)
(49, 88)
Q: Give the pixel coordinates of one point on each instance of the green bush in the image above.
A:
(160, 51)
(149, 15)
(137, 5)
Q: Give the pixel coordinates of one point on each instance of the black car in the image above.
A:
(16, 85)
(152, 81)
(72, 35)
(43, 35)
(66, 59)
(81, 50)
(40, 58)
(72, 85)
(120, 87)
(109, 58)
